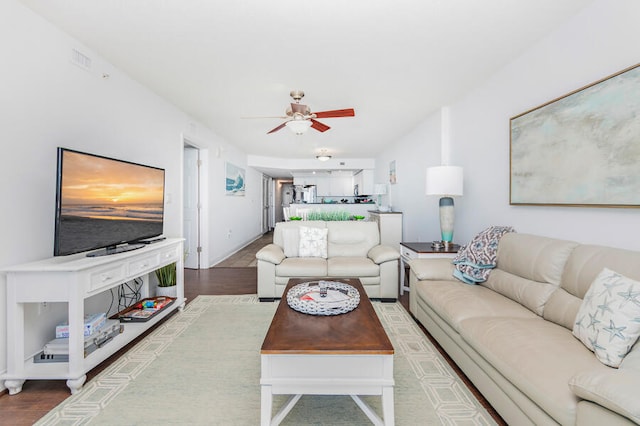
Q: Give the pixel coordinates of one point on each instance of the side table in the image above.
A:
(409, 251)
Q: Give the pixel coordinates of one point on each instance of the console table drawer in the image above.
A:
(106, 277)
(169, 255)
(143, 265)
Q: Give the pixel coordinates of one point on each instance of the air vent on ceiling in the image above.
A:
(80, 59)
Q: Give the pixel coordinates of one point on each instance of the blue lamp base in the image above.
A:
(447, 218)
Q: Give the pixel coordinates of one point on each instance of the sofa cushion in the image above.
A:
(455, 302)
(529, 268)
(291, 242)
(534, 257)
(432, 269)
(278, 237)
(344, 266)
(613, 389)
(271, 253)
(313, 242)
(608, 322)
(583, 265)
(302, 267)
(531, 294)
(537, 356)
(381, 254)
(351, 238)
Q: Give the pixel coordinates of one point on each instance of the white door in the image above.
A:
(191, 208)
(266, 196)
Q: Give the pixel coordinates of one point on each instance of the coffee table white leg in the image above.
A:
(266, 403)
(375, 419)
(387, 406)
(280, 415)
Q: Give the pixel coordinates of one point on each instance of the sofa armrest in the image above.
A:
(616, 390)
(271, 253)
(381, 253)
(440, 269)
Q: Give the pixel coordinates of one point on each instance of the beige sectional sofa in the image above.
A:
(352, 250)
(512, 335)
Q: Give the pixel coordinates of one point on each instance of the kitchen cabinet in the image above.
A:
(335, 184)
(364, 180)
(305, 180)
(341, 186)
(323, 187)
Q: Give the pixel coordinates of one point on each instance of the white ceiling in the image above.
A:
(393, 61)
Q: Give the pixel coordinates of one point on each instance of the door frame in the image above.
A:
(203, 199)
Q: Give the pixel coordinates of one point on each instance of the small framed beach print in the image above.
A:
(234, 180)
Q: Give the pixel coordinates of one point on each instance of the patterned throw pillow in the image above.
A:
(313, 242)
(608, 322)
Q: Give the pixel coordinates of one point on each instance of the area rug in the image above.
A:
(202, 367)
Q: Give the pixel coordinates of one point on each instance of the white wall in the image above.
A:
(412, 154)
(47, 102)
(233, 220)
(601, 40)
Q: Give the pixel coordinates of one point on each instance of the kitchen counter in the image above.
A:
(330, 204)
(353, 208)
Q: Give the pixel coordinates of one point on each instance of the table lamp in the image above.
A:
(380, 189)
(445, 181)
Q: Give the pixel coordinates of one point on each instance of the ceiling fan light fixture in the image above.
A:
(323, 156)
(298, 127)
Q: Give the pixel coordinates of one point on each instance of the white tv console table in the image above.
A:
(73, 279)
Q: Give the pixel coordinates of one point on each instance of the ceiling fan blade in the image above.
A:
(349, 112)
(299, 108)
(319, 126)
(265, 116)
(277, 128)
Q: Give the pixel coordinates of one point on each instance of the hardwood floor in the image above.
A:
(40, 396)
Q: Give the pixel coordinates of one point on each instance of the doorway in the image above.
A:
(284, 196)
(266, 204)
(194, 205)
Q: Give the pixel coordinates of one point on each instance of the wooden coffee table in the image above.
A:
(347, 354)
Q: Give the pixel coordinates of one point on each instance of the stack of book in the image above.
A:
(101, 331)
(92, 323)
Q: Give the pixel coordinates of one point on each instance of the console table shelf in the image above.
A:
(72, 279)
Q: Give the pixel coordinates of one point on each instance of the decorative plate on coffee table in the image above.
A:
(323, 298)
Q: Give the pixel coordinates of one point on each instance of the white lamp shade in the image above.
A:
(444, 180)
(298, 126)
(380, 189)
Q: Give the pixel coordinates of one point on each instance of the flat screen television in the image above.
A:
(104, 205)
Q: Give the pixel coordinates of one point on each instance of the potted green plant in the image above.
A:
(166, 277)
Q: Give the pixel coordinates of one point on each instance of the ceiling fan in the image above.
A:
(299, 117)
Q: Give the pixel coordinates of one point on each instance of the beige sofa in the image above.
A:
(352, 250)
(512, 335)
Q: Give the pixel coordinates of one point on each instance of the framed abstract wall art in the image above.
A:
(234, 178)
(582, 149)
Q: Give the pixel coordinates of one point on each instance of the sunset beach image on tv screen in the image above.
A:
(106, 201)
